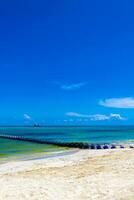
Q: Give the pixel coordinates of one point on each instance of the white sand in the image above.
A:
(85, 175)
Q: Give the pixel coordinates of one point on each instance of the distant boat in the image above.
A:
(36, 125)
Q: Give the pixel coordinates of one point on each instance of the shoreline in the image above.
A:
(36, 156)
(67, 150)
(82, 175)
(74, 155)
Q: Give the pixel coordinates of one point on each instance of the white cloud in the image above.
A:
(73, 86)
(97, 117)
(117, 116)
(127, 102)
(74, 114)
(27, 117)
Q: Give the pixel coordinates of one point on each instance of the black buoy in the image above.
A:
(113, 146)
(105, 146)
(92, 146)
(98, 146)
(85, 146)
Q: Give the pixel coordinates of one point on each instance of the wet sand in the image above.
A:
(83, 175)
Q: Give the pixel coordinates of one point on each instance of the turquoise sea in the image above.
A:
(10, 149)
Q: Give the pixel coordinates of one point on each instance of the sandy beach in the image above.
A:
(81, 175)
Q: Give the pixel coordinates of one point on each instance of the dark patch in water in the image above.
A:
(96, 137)
(102, 131)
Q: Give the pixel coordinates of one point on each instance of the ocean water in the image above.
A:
(91, 134)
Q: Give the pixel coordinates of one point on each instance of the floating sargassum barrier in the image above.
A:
(80, 145)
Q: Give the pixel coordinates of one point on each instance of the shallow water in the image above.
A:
(92, 134)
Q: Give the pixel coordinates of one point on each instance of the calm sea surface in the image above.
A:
(92, 134)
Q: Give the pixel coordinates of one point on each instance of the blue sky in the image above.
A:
(67, 62)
